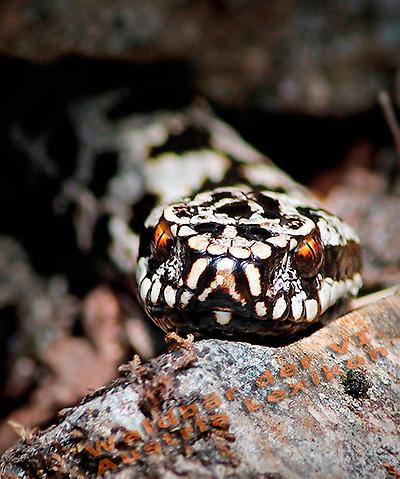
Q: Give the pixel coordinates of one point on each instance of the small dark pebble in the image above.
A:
(355, 383)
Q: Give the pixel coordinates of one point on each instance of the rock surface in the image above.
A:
(313, 57)
(323, 406)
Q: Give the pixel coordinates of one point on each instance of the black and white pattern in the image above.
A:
(229, 243)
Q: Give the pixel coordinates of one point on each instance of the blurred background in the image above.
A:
(299, 80)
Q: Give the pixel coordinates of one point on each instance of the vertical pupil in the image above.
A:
(162, 235)
(311, 250)
(308, 256)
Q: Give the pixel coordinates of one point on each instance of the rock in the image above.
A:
(230, 409)
(319, 58)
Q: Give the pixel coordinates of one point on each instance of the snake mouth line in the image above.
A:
(284, 310)
(250, 329)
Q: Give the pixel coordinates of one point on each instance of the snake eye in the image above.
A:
(308, 256)
(162, 240)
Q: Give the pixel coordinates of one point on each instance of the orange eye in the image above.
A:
(308, 256)
(162, 239)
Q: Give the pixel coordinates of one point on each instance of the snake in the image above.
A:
(220, 240)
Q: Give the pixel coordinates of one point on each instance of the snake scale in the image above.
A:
(221, 241)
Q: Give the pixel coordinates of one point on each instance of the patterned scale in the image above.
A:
(229, 244)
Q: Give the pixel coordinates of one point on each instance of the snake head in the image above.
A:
(238, 260)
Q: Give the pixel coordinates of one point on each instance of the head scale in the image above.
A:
(240, 260)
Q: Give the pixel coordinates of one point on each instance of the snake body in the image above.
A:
(229, 243)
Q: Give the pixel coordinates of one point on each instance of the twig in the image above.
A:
(388, 111)
(372, 298)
